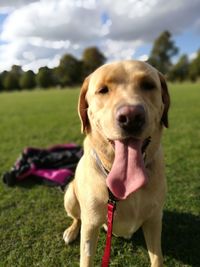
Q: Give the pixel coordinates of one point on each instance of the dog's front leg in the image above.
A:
(89, 237)
(152, 229)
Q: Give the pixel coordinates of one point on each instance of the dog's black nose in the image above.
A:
(131, 118)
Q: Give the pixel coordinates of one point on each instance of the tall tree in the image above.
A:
(10, 81)
(44, 77)
(2, 77)
(17, 70)
(69, 70)
(180, 71)
(27, 80)
(162, 52)
(11, 78)
(194, 71)
(92, 59)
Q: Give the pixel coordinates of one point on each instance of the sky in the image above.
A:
(36, 33)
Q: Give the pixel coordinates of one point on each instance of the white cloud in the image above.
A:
(144, 20)
(143, 57)
(52, 20)
(7, 6)
(192, 56)
(116, 50)
(39, 32)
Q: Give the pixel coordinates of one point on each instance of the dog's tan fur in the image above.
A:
(87, 195)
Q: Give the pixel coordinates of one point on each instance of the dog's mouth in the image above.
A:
(128, 172)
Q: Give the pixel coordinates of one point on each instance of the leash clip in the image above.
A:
(112, 201)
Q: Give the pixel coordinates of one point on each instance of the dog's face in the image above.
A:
(127, 99)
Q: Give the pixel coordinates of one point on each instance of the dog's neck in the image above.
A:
(102, 147)
(154, 147)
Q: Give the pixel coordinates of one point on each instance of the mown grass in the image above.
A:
(32, 217)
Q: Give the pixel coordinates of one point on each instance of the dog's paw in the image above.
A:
(105, 227)
(67, 236)
(70, 234)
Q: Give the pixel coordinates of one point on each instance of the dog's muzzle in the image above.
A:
(131, 118)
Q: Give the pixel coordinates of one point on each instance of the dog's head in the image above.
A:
(120, 106)
(124, 99)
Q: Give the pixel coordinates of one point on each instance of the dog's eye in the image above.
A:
(147, 85)
(103, 90)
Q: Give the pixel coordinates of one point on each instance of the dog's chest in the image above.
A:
(130, 215)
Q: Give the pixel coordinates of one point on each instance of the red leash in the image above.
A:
(110, 214)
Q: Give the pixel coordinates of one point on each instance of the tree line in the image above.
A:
(72, 71)
(69, 72)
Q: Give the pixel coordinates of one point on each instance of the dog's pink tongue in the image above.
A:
(128, 171)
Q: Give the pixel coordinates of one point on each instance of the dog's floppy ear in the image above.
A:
(165, 99)
(83, 106)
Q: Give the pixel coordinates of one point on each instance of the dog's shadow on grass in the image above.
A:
(180, 237)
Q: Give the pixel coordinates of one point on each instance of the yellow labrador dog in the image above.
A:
(121, 106)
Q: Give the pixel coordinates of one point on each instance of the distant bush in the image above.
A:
(44, 77)
(27, 80)
(92, 59)
(194, 69)
(10, 82)
(179, 71)
(69, 71)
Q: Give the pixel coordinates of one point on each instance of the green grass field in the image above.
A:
(32, 218)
